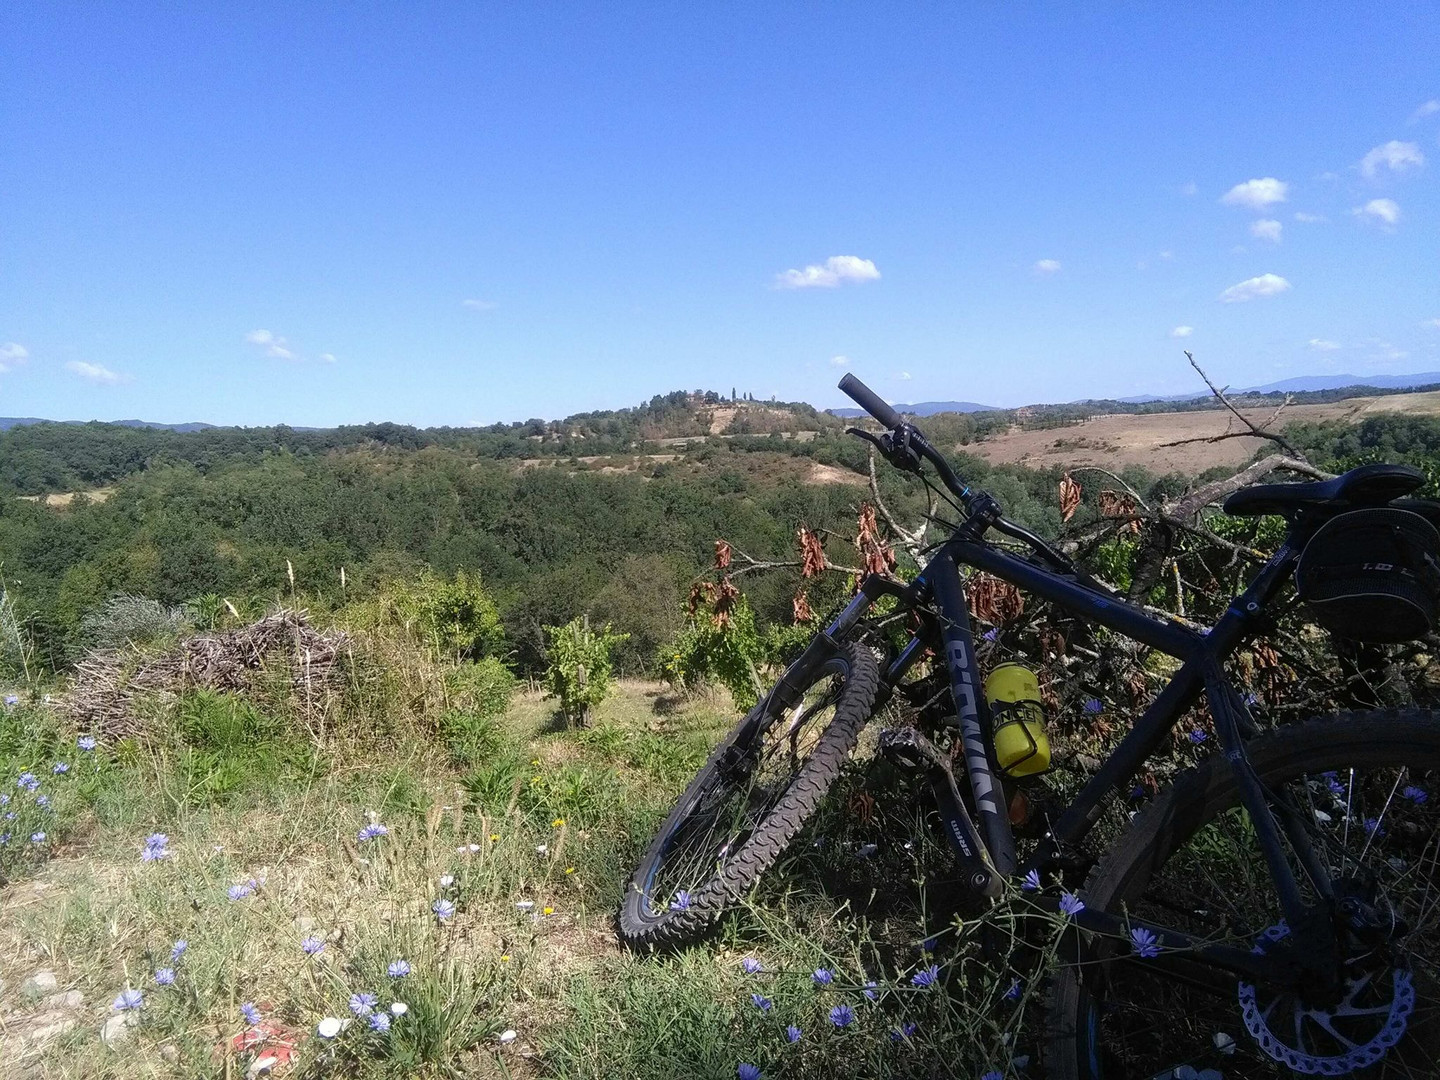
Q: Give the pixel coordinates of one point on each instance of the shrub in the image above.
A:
(731, 654)
(579, 666)
(131, 621)
(483, 688)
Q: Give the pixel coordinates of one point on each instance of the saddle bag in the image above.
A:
(1373, 575)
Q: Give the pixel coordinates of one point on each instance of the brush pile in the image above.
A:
(109, 682)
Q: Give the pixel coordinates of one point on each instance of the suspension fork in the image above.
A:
(971, 711)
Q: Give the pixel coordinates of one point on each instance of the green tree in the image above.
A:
(579, 666)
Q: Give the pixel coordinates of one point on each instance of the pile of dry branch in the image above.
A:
(108, 683)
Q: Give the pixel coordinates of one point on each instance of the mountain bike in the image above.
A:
(1287, 884)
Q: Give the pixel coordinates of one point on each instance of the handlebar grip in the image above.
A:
(870, 401)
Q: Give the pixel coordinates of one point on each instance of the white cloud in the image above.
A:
(273, 344)
(12, 354)
(327, 358)
(1182, 331)
(1385, 211)
(905, 376)
(94, 372)
(836, 270)
(1256, 194)
(1266, 229)
(479, 305)
(1394, 155)
(1254, 288)
(1047, 266)
(840, 361)
(1321, 345)
(1432, 322)
(1430, 108)
(1310, 219)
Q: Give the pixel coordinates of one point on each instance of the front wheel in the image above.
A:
(1368, 787)
(758, 788)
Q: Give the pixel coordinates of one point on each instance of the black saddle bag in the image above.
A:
(1373, 575)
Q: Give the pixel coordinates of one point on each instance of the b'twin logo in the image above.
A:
(1382, 566)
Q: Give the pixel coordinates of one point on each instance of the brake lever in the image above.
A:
(870, 438)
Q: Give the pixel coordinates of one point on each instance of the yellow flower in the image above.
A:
(505, 959)
(557, 823)
(535, 761)
(569, 869)
(494, 836)
(549, 911)
(535, 779)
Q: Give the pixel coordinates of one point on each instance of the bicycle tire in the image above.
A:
(641, 924)
(1075, 1046)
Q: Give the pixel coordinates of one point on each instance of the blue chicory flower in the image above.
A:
(869, 991)
(86, 742)
(1144, 942)
(250, 1013)
(371, 831)
(12, 699)
(398, 969)
(842, 1016)
(903, 1032)
(926, 977)
(128, 999)
(822, 976)
(165, 976)
(1093, 706)
(1417, 795)
(1016, 987)
(1373, 827)
(761, 1002)
(1032, 881)
(1197, 736)
(681, 901)
(27, 781)
(42, 801)
(363, 1003)
(993, 1074)
(993, 634)
(240, 892)
(443, 909)
(746, 1071)
(312, 945)
(792, 1033)
(37, 838)
(156, 848)
(178, 950)
(60, 768)
(750, 965)
(379, 1021)
(1070, 904)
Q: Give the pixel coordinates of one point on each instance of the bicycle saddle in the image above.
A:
(1369, 485)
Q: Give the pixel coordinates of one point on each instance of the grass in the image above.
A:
(529, 830)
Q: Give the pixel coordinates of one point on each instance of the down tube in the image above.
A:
(965, 688)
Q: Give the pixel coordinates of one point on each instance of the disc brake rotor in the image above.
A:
(1328, 1042)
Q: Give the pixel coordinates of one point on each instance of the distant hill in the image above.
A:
(928, 408)
(8, 422)
(1337, 382)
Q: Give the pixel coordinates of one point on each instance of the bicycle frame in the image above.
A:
(938, 595)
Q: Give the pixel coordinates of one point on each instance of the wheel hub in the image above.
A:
(1354, 1033)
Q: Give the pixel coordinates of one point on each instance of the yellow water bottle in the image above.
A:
(1018, 717)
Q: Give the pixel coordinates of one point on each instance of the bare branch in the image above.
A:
(1187, 506)
(1258, 431)
(912, 542)
(1106, 472)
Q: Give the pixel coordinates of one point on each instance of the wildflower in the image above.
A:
(1032, 881)
(447, 880)
(993, 634)
(761, 1002)
(569, 869)
(128, 999)
(399, 1008)
(822, 977)
(1251, 700)
(681, 901)
(842, 1016)
(993, 1074)
(505, 958)
(864, 851)
(750, 965)
(926, 977)
(42, 801)
(371, 831)
(60, 768)
(1070, 904)
(5, 839)
(542, 849)
(86, 742)
(240, 892)
(1336, 788)
(4, 799)
(250, 1013)
(494, 837)
(398, 969)
(27, 781)
(363, 1003)
(165, 976)
(1197, 736)
(178, 950)
(156, 847)
(902, 1033)
(380, 1022)
(443, 909)
(37, 838)
(746, 1071)
(1145, 943)
(792, 1034)
(1417, 795)
(1093, 706)
(557, 823)
(328, 1028)
(1372, 827)
(869, 991)
(12, 699)
(547, 910)
(312, 945)
(1013, 994)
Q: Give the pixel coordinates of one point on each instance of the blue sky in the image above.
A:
(461, 213)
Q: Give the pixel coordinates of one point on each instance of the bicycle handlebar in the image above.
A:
(870, 401)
